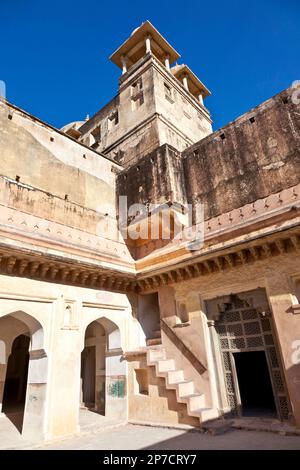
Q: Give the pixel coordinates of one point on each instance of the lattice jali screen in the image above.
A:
(243, 329)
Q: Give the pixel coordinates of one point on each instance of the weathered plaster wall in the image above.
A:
(187, 121)
(251, 161)
(136, 132)
(60, 166)
(156, 178)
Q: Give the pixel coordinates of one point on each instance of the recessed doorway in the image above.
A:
(255, 387)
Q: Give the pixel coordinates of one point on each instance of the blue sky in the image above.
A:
(54, 54)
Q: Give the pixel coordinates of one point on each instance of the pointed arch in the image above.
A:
(25, 369)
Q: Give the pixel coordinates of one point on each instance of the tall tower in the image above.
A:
(157, 103)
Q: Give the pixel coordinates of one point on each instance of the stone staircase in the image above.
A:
(175, 380)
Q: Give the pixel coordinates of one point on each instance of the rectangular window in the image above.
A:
(96, 133)
(113, 120)
(141, 382)
(136, 87)
(137, 95)
(169, 94)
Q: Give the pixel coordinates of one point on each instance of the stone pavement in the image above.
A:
(90, 422)
(100, 433)
(9, 433)
(133, 437)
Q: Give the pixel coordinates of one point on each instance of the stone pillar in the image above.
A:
(148, 43)
(185, 82)
(124, 64)
(200, 98)
(287, 328)
(167, 62)
(35, 407)
(64, 372)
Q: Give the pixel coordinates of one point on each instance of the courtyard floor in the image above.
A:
(132, 437)
(100, 433)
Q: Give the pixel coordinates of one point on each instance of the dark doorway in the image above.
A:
(14, 395)
(88, 375)
(149, 317)
(254, 384)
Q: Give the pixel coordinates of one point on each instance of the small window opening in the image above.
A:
(168, 92)
(113, 120)
(142, 382)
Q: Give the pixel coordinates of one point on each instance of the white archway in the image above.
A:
(102, 356)
(20, 324)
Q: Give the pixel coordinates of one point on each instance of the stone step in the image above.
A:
(194, 401)
(175, 376)
(166, 365)
(185, 388)
(205, 414)
(156, 354)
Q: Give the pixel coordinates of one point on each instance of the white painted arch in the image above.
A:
(34, 326)
(112, 332)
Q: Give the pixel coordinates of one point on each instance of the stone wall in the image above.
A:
(157, 178)
(256, 155)
(44, 158)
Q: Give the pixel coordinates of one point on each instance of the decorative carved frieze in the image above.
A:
(57, 271)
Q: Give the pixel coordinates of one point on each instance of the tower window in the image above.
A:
(96, 133)
(113, 119)
(169, 95)
(136, 87)
(137, 95)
